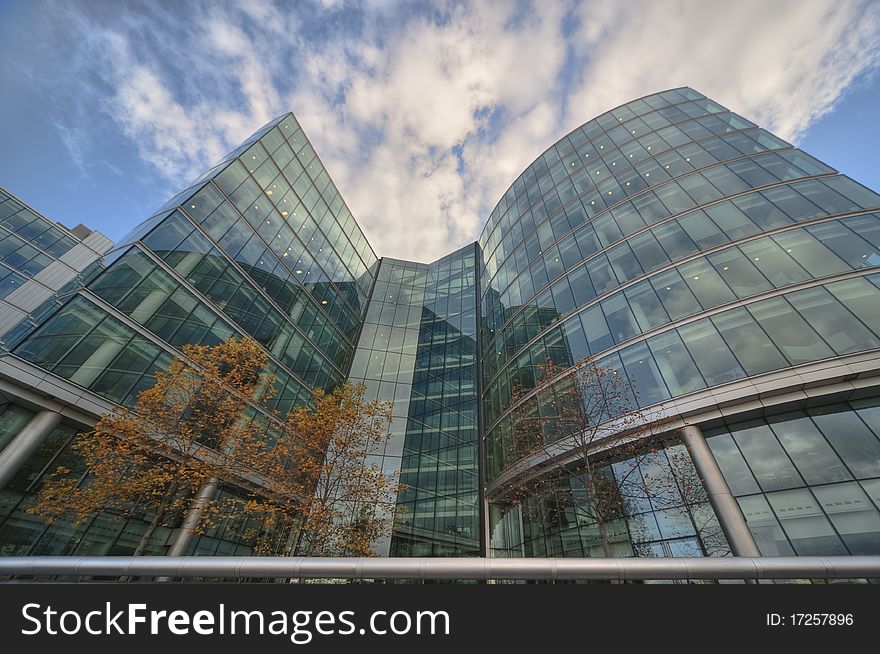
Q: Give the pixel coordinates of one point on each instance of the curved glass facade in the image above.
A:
(662, 237)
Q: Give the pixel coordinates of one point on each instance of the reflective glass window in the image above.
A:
(739, 272)
(805, 523)
(774, 262)
(596, 329)
(706, 284)
(843, 331)
(853, 516)
(856, 251)
(755, 351)
(646, 306)
(857, 445)
(733, 466)
(791, 333)
(762, 522)
(644, 374)
(675, 363)
(767, 460)
(601, 275)
(648, 251)
(731, 220)
(817, 462)
(620, 318)
(861, 297)
(581, 287)
(624, 263)
(710, 352)
(674, 293)
(702, 230)
(760, 211)
(674, 240)
(816, 258)
(699, 189)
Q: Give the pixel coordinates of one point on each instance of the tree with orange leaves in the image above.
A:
(320, 475)
(164, 458)
(308, 475)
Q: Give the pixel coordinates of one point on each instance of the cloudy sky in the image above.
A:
(422, 113)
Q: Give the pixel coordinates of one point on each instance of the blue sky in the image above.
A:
(422, 113)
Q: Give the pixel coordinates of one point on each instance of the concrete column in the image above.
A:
(191, 522)
(26, 443)
(727, 510)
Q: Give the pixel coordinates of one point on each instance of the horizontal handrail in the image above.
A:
(237, 567)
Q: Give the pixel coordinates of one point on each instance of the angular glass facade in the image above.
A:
(731, 278)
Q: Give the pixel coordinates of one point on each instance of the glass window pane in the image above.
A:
(674, 240)
(601, 275)
(699, 189)
(853, 441)
(853, 515)
(805, 523)
(762, 212)
(710, 352)
(789, 331)
(772, 468)
(776, 264)
(856, 251)
(731, 220)
(733, 466)
(648, 251)
(646, 306)
(807, 447)
(770, 538)
(702, 230)
(625, 265)
(748, 341)
(581, 287)
(861, 297)
(675, 295)
(675, 364)
(642, 371)
(706, 284)
(620, 318)
(795, 205)
(739, 272)
(843, 331)
(596, 329)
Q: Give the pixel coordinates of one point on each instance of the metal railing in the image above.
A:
(551, 569)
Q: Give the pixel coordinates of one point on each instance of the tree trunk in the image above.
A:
(598, 512)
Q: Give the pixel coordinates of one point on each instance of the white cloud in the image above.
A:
(782, 64)
(423, 121)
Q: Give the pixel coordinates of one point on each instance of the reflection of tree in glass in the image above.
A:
(563, 435)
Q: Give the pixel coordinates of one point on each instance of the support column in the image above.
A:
(191, 522)
(727, 510)
(26, 443)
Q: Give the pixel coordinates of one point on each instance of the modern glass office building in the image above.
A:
(731, 279)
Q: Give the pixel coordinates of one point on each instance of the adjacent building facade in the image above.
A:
(730, 278)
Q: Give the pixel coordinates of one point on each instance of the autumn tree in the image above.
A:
(306, 476)
(164, 458)
(565, 433)
(321, 476)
